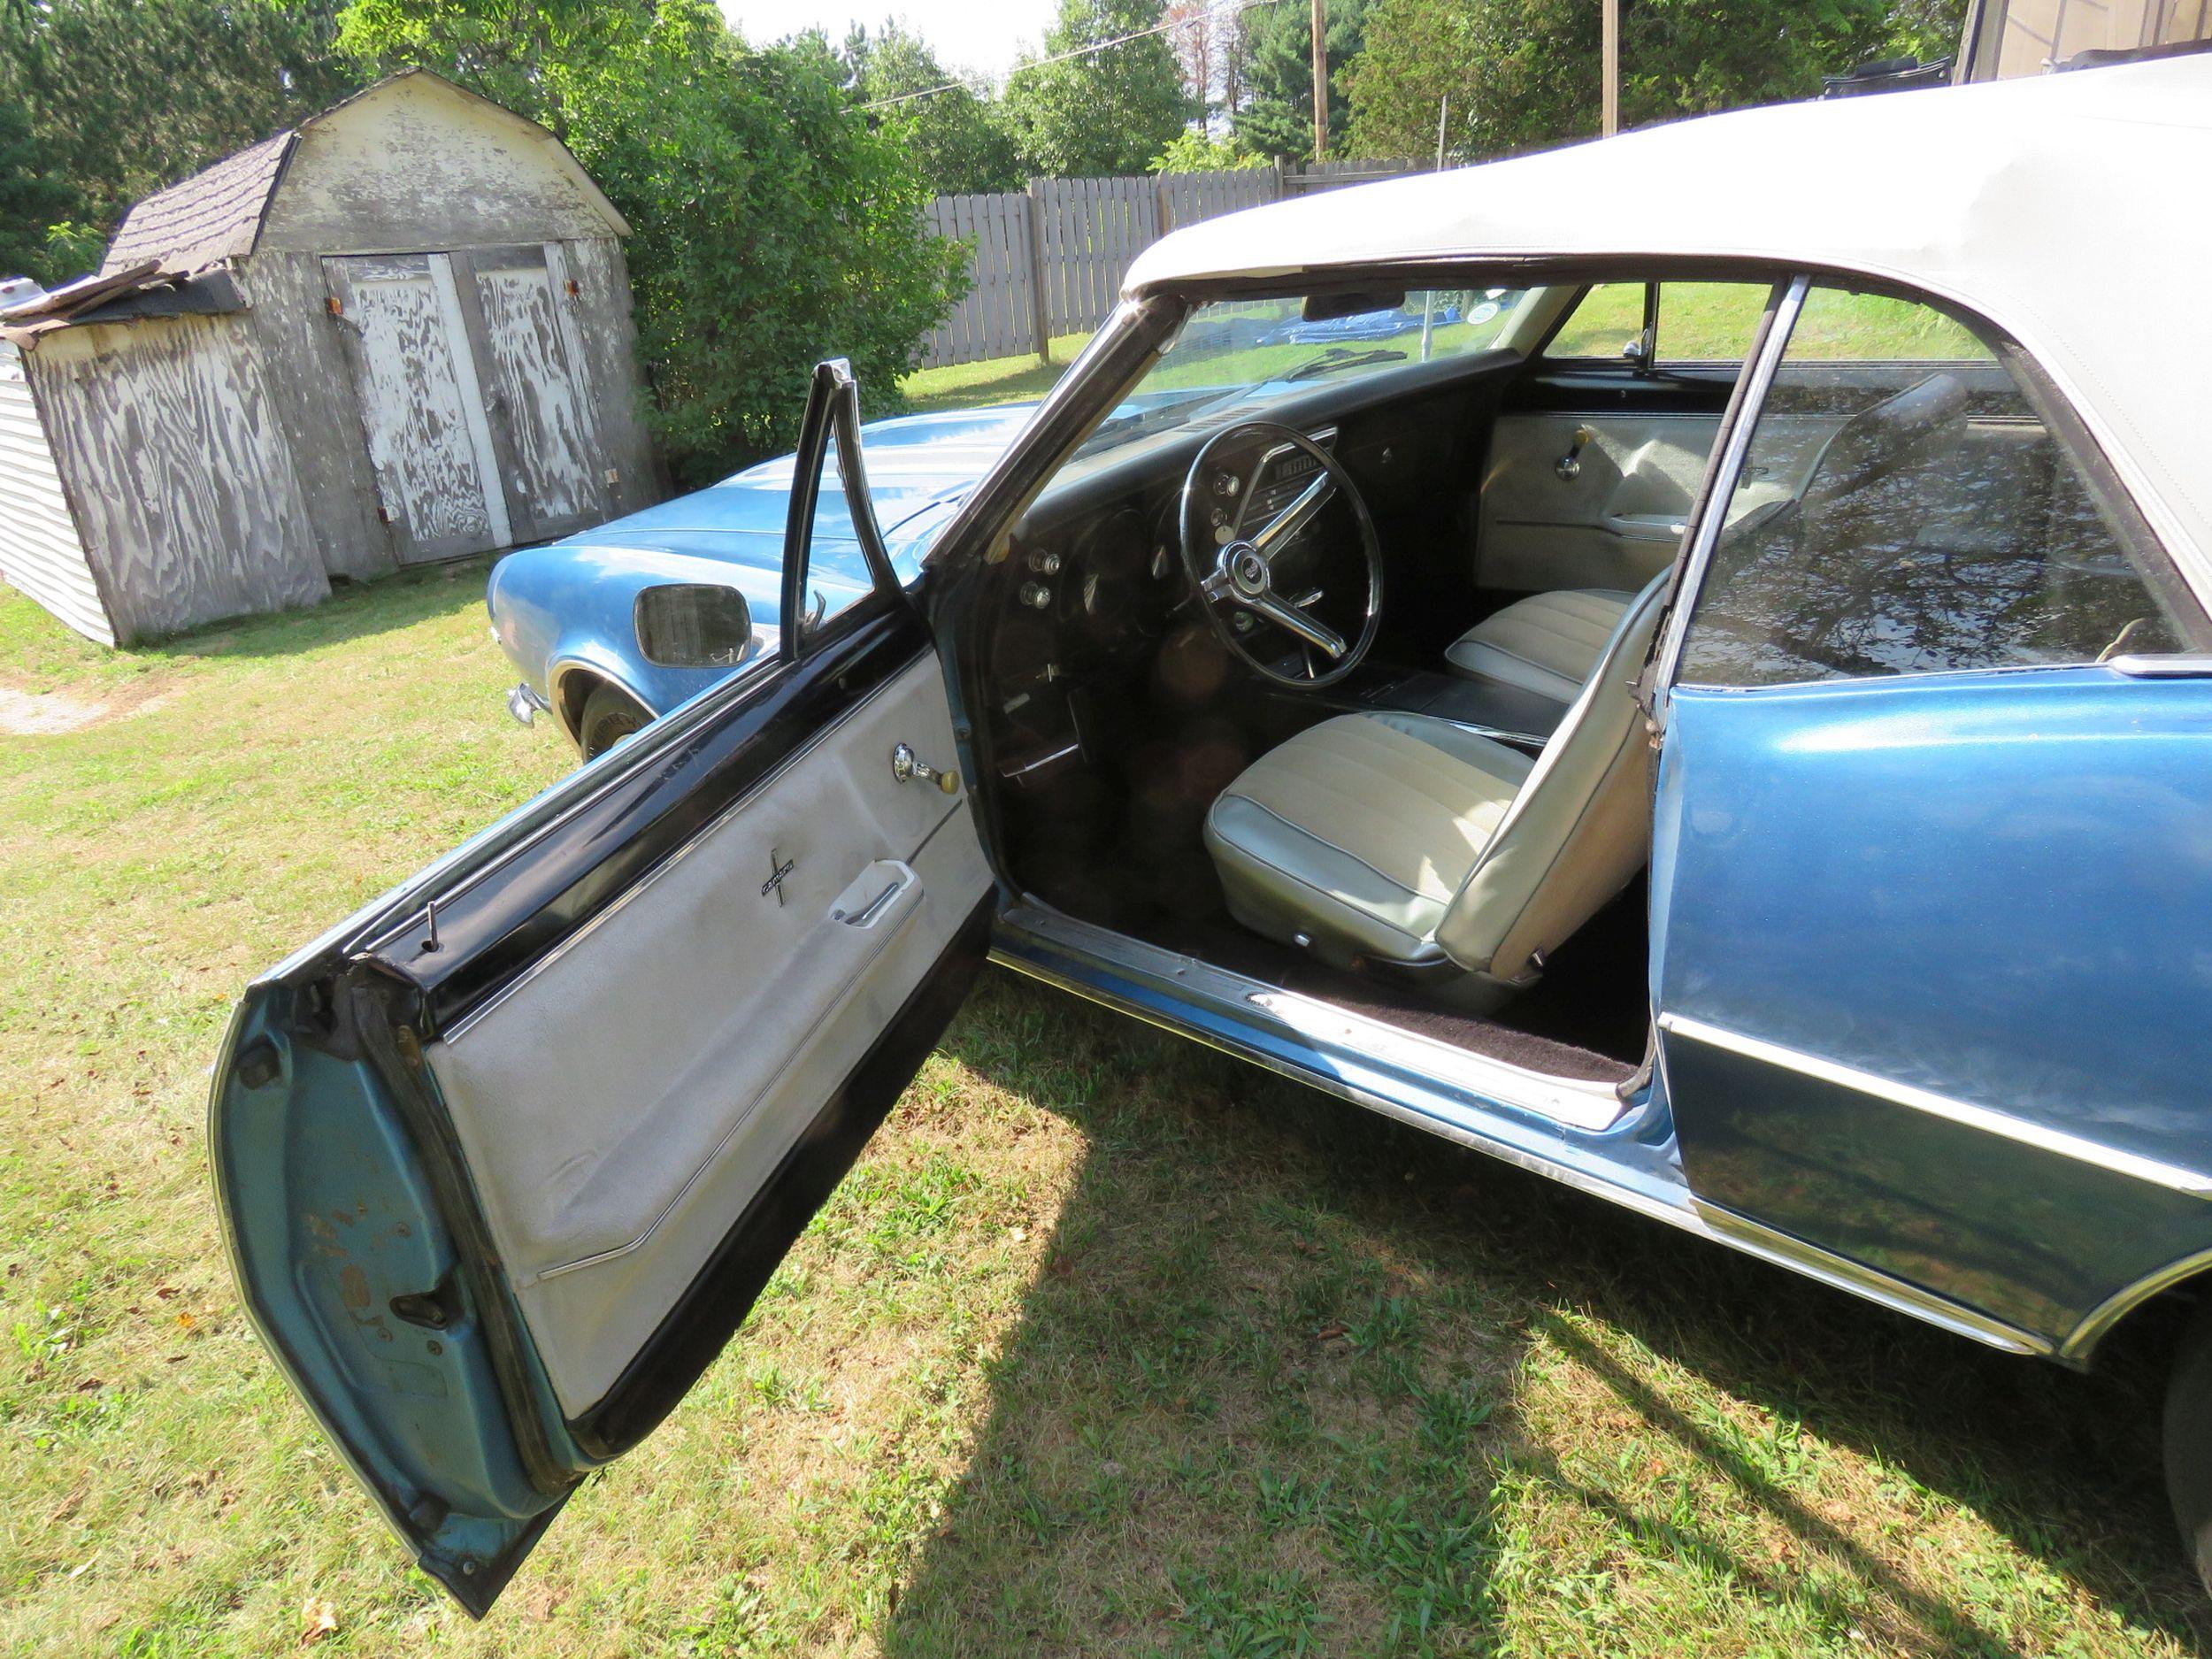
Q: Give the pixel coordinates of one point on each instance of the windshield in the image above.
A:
(1231, 359)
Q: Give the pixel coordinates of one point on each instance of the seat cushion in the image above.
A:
(1547, 643)
(1359, 832)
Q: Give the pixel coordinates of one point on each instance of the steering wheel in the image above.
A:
(1242, 571)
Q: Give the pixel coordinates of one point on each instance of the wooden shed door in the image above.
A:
(422, 406)
(541, 416)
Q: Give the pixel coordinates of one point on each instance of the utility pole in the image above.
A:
(1610, 35)
(1321, 79)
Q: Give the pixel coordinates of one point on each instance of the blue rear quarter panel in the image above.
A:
(1993, 887)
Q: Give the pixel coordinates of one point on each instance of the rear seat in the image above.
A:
(1547, 643)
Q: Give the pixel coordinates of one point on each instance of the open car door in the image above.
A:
(505, 1160)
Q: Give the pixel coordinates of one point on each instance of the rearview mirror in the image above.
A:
(693, 625)
(1326, 308)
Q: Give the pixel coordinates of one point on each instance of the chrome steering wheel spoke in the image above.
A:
(1320, 635)
(1283, 529)
(1232, 572)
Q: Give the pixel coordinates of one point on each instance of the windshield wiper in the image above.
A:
(1339, 358)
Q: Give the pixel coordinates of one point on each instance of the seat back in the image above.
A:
(1578, 829)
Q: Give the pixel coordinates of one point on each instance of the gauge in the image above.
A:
(1109, 564)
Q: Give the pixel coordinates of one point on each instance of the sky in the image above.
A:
(966, 34)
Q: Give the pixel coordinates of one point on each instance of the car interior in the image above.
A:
(1436, 811)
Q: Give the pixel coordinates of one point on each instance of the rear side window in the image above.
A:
(1909, 505)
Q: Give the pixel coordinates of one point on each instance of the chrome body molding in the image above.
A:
(2196, 1183)
(1576, 1133)
(1785, 1251)
(2081, 1342)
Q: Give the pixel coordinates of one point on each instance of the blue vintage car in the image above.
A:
(620, 623)
(1763, 778)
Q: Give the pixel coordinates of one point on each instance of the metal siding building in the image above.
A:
(399, 332)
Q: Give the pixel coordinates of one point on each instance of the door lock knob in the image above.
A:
(1569, 466)
(907, 766)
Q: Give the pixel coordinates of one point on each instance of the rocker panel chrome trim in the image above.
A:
(1841, 1271)
(1223, 1010)
(1988, 1119)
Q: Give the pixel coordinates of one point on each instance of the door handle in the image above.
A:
(1569, 466)
(907, 766)
(874, 893)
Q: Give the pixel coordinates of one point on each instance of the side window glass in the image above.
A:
(837, 574)
(1709, 322)
(1608, 318)
(1699, 323)
(1905, 508)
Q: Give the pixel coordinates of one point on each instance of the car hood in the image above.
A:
(919, 468)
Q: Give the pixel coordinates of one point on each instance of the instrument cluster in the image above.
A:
(1116, 575)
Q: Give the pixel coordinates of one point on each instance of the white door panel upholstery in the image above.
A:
(620, 1107)
(1618, 521)
(1608, 526)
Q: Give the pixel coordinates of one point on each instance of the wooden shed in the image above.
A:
(399, 332)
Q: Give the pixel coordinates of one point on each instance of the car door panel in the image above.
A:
(1908, 935)
(1561, 511)
(1615, 518)
(504, 1160)
(608, 1176)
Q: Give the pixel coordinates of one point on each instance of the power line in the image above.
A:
(1209, 16)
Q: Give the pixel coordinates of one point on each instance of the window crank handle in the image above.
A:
(907, 766)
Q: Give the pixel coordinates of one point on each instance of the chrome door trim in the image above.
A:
(2195, 1183)
(1224, 1012)
(1713, 515)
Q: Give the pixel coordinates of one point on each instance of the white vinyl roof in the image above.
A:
(2074, 211)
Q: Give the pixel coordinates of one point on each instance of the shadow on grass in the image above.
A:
(1266, 1396)
(354, 611)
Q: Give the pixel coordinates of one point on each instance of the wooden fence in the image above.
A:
(1049, 260)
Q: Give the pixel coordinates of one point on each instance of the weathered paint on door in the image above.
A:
(422, 407)
(530, 376)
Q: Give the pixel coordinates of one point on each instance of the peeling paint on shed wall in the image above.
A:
(605, 337)
(311, 391)
(187, 499)
(423, 166)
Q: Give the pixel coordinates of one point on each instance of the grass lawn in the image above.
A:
(996, 380)
(1110, 1344)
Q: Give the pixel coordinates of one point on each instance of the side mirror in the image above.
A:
(1637, 352)
(693, 625)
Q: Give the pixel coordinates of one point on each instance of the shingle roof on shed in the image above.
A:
(213, 215)
(218, 212)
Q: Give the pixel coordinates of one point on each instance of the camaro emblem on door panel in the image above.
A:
(779, 867)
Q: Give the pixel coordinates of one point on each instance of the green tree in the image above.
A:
(957, 137)
(1524, 73)
(32, 198)
(1107, 113)
(772, 225)
(1201, 153)
(1276, 119)
(124, 96)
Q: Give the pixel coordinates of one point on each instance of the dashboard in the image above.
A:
(1096, 645)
